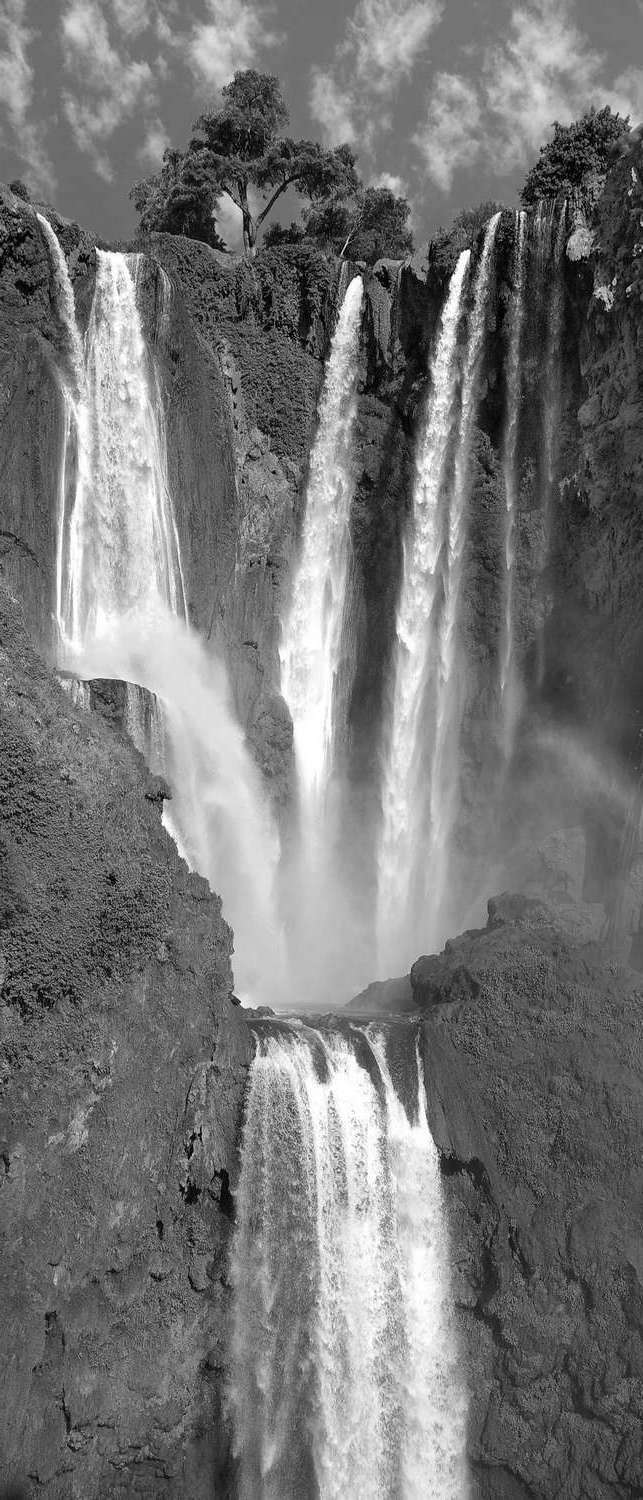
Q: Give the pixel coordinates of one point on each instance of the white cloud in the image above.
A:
(112, 85)
(545, 70)
(390, 180)
(17, 93)
(626, 94)
(231, 37)
(382, 44)
(449, 138)
(155, 143)
(132, 16)
(332, 107)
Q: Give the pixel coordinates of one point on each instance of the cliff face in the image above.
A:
(115, 1184)
(534, 1087)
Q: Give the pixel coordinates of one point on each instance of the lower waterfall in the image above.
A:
(344, 1378)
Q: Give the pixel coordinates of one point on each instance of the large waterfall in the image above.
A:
(121, 611)
(421, 774)
(315, 655)
(344, 1378)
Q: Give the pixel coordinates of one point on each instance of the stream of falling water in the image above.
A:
(421, 775)
(401, 836)
(508, 684)
(550, 224)
(312, 629)
(344, 1376)
(315, 655)
(121, 613)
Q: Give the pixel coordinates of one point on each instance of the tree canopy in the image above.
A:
(371, 225)
(575, 153)
(241, 147)
(179, 199)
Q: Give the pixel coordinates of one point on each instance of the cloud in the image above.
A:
(112, 85)
(544, 70)
(132, 16)
(390, 180)
(332, 107)
(382, 43)
(231, 37)
(17, 94)
(155, 143)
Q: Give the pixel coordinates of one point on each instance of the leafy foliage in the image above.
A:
(575, 153)
(19, 190)
(371, 226)
(447, 244)
(239, 147)
(180, 199)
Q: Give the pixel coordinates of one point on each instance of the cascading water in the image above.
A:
(344, 1378)
(312, 629)
(402, 837)
(444, 775)
(121, 614)
(315, 656)
(551, 226)
(421, 775)
(122, 542)
(508, 685)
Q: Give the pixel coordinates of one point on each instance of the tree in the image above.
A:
(240, 148)
(575, 153)
(373, 226)
(179, 199)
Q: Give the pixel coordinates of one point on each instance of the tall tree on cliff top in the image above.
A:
(240, 146)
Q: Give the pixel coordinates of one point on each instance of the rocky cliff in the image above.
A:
(532, 1063)
(115, 1178)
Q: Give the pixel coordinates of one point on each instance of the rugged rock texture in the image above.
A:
(115, 1182)
(532, 1061)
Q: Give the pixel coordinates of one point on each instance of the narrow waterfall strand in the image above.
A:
(551, 401)
(443, 779)
(311, 635)
(75, 417)
(415, 637)
(344, 1376)
(510, 477)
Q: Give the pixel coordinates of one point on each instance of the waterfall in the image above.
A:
(421, 775)
(402, 835)
(551, 229)
(315, 654)
(312, 629)
(122, 614)
(508, 686)
(344, 1375)
(122, 542)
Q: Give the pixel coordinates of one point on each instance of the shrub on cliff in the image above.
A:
(575, 154)
(372, 225)
(179, 199)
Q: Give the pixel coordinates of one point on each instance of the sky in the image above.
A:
(446, 101)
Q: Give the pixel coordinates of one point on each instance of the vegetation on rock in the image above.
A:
(239, 150)
(575, 155)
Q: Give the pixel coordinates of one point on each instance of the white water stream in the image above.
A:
(344, 1378)
(508, 682)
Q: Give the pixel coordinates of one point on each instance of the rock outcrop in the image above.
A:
(532, 1062)
(115, 1179)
